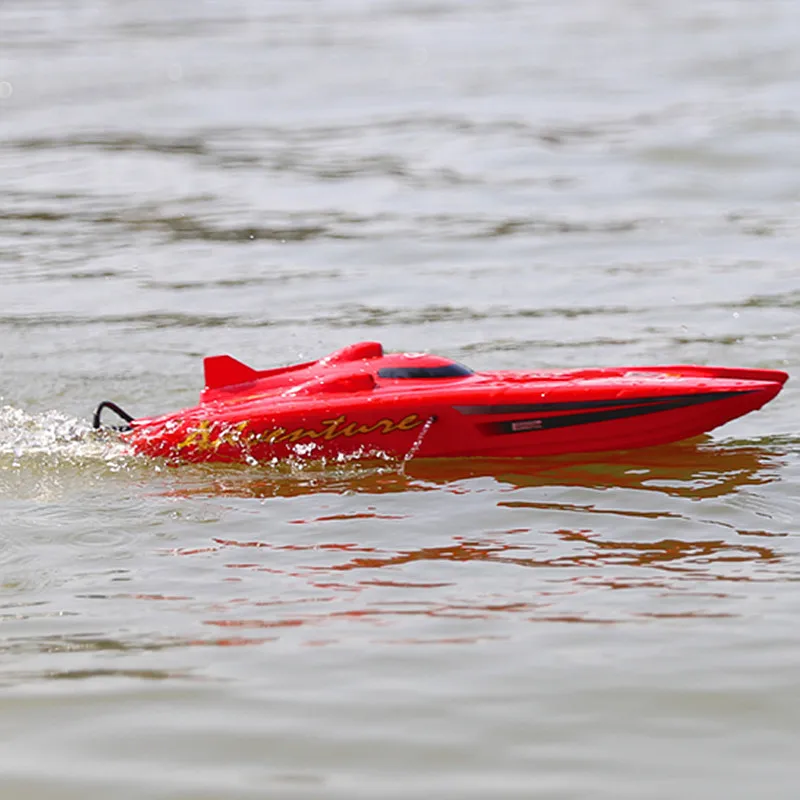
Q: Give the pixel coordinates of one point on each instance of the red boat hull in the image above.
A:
(344, 406)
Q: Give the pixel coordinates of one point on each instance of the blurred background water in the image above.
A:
(511, 184)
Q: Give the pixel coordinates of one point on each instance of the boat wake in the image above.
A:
(53, 437)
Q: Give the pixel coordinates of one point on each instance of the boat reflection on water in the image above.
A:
(662, 524)
(686, 470)
(570, 574)
(694, 469)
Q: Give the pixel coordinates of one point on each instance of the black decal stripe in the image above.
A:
(606, 415)
(582, 405)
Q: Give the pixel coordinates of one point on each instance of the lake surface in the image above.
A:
(511, 184)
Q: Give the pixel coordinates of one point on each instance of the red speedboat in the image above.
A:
(362, 402)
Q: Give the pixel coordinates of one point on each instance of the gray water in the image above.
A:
(510, 184)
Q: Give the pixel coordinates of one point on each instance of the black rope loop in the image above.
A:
(122, 414)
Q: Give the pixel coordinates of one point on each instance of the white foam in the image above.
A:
(53, 434)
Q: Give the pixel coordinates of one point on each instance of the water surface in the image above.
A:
(512, 185)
